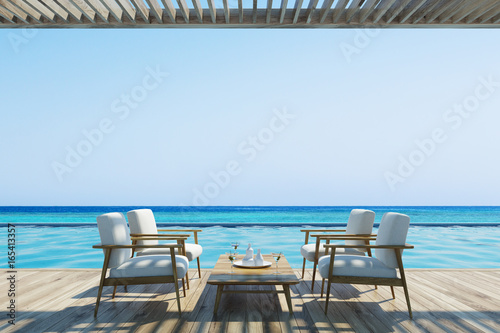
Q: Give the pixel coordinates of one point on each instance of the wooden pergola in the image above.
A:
(301, 14)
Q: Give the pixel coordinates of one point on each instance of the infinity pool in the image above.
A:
(435, 247)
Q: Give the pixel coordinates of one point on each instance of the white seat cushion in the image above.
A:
(150, 266)
(193, 251)
(308, 251)
(346, 265)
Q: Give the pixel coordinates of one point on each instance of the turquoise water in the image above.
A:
(444, 237)
(252, 215)
(443, 247)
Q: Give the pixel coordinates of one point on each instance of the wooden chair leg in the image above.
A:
(99, 293)
(375, 287)
(392, 291)
(177, 296)
(407, 295)
(199, 267)
(187, 280)
(107, 254)
(322, 287)
(403, 279)
(114, 292)
(303, 268)
(184, 287)
(327, 295)
(125, 287)
(314, 277)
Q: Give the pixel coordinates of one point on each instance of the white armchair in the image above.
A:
(143, 226)
(360, 223)
(124, 270)
(379, 270)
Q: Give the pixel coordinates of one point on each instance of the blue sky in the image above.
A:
(249, 117)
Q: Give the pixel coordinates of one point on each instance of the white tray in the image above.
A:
(239, 263)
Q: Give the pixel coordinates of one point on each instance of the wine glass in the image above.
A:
(235, 245)
(277, 257)
(231, 256)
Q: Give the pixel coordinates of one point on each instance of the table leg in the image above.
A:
(220, 288)
(286, 289)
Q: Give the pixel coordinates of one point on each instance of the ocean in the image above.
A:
(245, 215)
(444, 237)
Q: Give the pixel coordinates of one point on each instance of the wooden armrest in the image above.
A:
(171, 246)
(181, 230)
(194, 231)
(406, 246)
(157, 238)
(322, 230)
(162, 236)
(346, 237)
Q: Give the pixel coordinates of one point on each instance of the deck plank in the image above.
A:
(442, 301)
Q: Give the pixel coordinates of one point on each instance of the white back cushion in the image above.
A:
(113, 230)
(392, 231)
(360, 222)
(142, 221)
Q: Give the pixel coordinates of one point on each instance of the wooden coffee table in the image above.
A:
(254, 277)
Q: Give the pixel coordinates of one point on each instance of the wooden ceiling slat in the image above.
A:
(451, 11)
(441, 8)
(84, 9)
(212, 10)
(489, 15)
(76, 16)
(41, 9)
(310, 10)
(27, 9)
(425, 10)
(115, 10)
(497, 19)
(6, 15)
(254, 12)
(325, 9)
(284, 3)
(123, 7)
(30, 13)
(184, 9)
(407, 13)
(240, 11)
(170, 9)
(367, 9)
(269, 7)
(156, 10)
(296, 10)
(99, 10)
(127, 7)
(198, 9)
(353, 7)
(466, 11)
(382, 9)
(12, 10)
(57, 10)
(481, 11)
(398, 7)
(226, 11)
(339, 9)
(139, 9)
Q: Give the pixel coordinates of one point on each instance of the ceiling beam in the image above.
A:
(226, 11)
(296, 10)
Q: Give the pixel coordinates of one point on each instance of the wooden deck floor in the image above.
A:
(52, 300)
